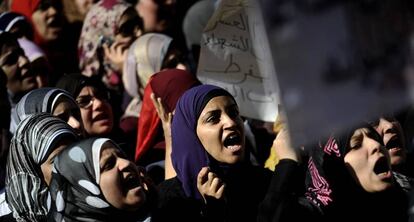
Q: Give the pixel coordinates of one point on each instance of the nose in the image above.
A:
(124, 164)
(228, 122)
(97, 103)
(74, 123)
(373, 146)
(24, 65)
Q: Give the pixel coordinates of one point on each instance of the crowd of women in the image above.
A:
(103, 119)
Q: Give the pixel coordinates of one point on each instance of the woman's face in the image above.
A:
(393, 138)
(48, 19)
(96, 112)
(150, 11)
(69, 113)
(368, 161)
(120, 180)
(16, 66)
(220, 130)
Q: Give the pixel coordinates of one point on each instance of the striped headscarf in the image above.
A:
(43, 100)
(34, 140)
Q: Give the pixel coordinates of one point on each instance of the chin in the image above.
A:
(53, 35)
(383, 187)
(136, 203)
(233, 160)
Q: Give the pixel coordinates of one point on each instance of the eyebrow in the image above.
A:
(84, 96)
(232, 106)
(208, 113)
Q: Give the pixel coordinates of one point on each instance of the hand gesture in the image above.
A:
(116, 54)
(166, 119)
(283, 147)
(209, 185)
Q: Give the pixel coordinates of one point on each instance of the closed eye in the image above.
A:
(108, 163)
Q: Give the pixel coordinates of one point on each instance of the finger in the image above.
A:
(202, 176)
(215, 184)
(106, 50)
(155, 102)
(120, 49)
(211, 176)
(161, 106)
(170, 115)
(220, 191)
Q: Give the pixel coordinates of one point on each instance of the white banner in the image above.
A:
(235, 55)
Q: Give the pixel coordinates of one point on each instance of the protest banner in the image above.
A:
(235, 55)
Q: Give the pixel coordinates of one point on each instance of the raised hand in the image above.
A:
(166, 119)
(209, 185)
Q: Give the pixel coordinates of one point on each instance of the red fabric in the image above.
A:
(27, 8)
(147, 125)
(169, 85)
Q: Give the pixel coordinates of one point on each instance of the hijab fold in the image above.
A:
(169, 85)
(144, 58)
(75, 188)
(43, 100)
(34, 140)
(188, 154)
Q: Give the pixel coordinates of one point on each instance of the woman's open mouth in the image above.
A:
(393, 143)
(382, 168)
(131, 181)
(233, 142)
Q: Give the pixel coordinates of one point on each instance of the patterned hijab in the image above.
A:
(145, 57)
(35, 138)
(43, 100)
(101, 20)
(188, 154)
(75, 187)
(169, 85)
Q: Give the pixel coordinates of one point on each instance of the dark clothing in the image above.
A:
(7, 218)
(285, 200)
(243, 193)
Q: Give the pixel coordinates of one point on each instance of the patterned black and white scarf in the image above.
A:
(34, 140)
(75, 188)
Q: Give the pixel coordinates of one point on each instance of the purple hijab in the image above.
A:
(188, 154)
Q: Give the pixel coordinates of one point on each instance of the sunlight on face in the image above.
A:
(220, 130)
(120, 180)
(368, 161)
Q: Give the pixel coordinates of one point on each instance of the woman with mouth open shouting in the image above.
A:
(94, 181)
(214, 181)
(356, 176)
